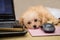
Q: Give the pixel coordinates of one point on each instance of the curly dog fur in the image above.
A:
(36, 16)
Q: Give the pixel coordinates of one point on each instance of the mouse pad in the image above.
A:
(39, 32)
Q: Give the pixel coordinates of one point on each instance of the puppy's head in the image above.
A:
(31, 20)
(33, 17)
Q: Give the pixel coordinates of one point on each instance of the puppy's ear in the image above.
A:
(43, 19)
(21, 21)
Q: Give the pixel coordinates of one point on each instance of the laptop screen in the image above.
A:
(7, 10)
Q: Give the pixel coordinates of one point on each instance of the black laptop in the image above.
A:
(8, 20)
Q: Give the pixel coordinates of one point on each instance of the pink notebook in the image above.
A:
(39, 32)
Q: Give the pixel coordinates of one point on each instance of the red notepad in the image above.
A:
(39, 32)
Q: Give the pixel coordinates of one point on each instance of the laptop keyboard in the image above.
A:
(7, 24)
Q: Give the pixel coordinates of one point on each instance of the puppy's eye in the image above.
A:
(35, 20)
(29, 22)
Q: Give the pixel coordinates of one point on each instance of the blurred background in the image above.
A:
(22, 5)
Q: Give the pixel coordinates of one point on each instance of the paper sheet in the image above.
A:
(54, 11)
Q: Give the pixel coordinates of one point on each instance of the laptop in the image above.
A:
(7, 19)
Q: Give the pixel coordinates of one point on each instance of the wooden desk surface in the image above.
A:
(29, 37)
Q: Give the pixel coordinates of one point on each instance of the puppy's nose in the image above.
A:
(34, 26)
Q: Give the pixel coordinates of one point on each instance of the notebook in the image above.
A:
(7, 18)
(7, 14)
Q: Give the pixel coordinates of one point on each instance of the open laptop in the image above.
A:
(7, 17)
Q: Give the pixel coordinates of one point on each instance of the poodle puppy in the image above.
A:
(36, 16)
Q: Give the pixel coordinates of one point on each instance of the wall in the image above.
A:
(22, 5)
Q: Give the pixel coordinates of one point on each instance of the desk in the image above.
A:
(29, 37)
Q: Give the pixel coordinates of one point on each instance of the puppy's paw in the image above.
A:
(53, 22)
(50, 22)
(56, 22)
(59, 20)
